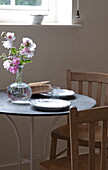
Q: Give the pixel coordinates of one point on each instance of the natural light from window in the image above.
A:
(22, 11)
(21, 2)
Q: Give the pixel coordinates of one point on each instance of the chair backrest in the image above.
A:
(90, 117)
(93, 84)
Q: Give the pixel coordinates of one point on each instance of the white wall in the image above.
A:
(58, 48)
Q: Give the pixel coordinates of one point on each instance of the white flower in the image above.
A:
(10, 36)
(30, 54)
(32, 47)
(27, 42)
(7, 44)
(6, 64)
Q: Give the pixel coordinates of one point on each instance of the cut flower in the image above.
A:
(16, 58)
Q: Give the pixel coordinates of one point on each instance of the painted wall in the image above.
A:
(58, 48)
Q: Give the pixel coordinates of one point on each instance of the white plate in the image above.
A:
(50, 104)
(21, 102)
(62, 93)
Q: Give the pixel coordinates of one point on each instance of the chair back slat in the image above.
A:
(106, 97)
(80, 87)
(90, 116)
(90, 89)
(99, 92)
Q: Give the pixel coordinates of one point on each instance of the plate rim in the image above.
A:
(46, 94)
(53, 108)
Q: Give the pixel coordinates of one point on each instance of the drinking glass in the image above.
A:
(55, 92)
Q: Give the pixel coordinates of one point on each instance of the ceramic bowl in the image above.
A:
(37, 19)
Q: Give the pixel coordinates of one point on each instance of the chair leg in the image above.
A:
(68, 148)
(53, 147)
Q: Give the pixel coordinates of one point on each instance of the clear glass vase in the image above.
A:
(19, 92)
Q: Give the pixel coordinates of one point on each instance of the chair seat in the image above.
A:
(63, 132)
(56, 164)
(64, 163)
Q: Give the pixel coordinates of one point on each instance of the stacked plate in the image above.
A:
(63, 93)
(50, 104)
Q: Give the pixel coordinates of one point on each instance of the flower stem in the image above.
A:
(19, 74)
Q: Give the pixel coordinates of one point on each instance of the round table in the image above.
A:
(82, 102)
(8, 109)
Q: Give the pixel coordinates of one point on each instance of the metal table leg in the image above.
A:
(18, 139)
(31, 161)
(32, 143)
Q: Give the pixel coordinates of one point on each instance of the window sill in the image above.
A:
(42, 25)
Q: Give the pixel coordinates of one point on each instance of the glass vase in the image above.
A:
(19, 92)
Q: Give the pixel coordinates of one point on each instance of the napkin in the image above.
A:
(40, 87)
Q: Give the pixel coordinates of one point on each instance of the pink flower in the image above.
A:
(7, 64)
(16, 61)
(10, 57)
(12, 66)
(13, 69)
(26, 51)
(27, 42)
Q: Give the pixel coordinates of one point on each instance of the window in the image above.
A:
(20, 2)
(21, 11)
(24, 4)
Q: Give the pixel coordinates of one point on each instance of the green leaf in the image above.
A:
(13, 51)
(25, 61)
(21, 47)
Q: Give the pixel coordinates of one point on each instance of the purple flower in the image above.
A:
(16, 61)
(29, 47)
(26, 51)
(13, 69)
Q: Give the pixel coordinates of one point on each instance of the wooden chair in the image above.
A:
(94, 85)
(83, 161)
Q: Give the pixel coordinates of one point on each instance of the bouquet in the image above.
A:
(16, 58)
